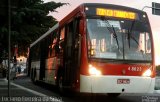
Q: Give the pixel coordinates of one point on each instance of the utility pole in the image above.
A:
(9, 53)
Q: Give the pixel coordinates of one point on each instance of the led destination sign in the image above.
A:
(115, 13)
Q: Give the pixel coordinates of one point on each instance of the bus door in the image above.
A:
(71, 53)
(42, 60)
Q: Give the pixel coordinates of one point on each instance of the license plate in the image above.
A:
(123, 81)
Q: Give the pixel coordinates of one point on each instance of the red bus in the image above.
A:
(97, 48)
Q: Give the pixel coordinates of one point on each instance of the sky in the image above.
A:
(139, 4)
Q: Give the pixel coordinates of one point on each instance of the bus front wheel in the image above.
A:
(34, 79)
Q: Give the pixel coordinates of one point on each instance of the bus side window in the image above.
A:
(57, 50)
(60, 45)
(69, 39)
(62, 34)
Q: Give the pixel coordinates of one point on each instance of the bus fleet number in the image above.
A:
(136, 69)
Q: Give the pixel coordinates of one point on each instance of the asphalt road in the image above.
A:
(23, 88)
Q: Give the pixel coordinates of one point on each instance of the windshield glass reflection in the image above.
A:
(118, 39)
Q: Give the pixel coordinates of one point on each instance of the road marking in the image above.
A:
(29, 90)
(52, 99)
(7, 88)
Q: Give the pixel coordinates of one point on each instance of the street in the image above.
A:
(22, 89)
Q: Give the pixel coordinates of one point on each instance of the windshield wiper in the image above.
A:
(113, 32)
(133, 38)
(115, 36)
(130, 36)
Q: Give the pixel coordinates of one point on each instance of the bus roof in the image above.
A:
(111, 6)
(81, 8)
(45, 34)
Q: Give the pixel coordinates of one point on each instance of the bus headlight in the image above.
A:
(94, 71)
(147, 73)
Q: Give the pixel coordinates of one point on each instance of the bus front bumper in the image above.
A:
(109, 84)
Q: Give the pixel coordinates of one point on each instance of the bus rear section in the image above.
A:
(119, 54)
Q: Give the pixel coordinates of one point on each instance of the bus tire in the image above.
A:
(60, 85)
(34, 76)
(31, 75)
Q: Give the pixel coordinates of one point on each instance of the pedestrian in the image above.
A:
(19, 69)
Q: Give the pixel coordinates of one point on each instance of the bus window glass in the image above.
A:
(118, 39)
(61, 42)
(62, 33)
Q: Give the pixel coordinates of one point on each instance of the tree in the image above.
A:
(29, 20)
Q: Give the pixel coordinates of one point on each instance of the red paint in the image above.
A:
(118, 69)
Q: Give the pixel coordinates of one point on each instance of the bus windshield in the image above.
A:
(119, 39)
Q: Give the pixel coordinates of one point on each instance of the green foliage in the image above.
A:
(158, 67)
(29, 20)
